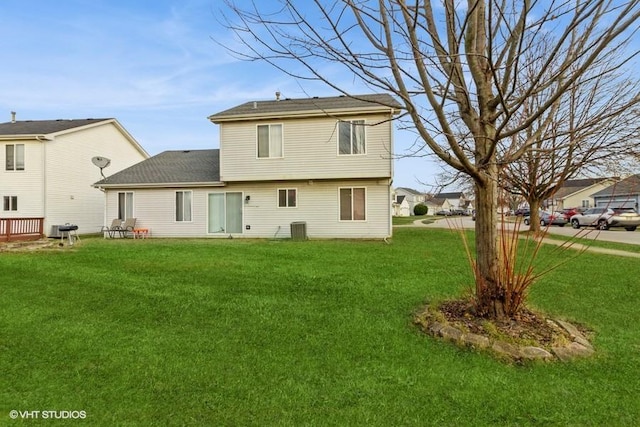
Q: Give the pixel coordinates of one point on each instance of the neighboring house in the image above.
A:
(322, 163)
(577, 193)
(47, 171)
(453, 201)
(413, 197)
(401, 206)
(625, 193)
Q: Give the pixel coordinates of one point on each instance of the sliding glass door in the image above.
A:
(225, 213)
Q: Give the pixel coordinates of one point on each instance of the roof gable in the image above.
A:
(573, 186)
(305, 107)
(628, 186)
(169, 167)
(409, 191)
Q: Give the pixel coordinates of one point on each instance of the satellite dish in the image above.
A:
(101, 162)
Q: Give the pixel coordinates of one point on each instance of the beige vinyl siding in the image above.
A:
(317, 205)
(25, 184)
(310, 151)
(70, 197)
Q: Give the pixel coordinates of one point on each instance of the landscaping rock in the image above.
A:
(435, 328)
(506, 349)
(575, 334)
(476, 341)
(450, 333)
(572, 351)
(534, 353)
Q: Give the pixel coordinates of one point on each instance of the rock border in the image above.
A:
(578, 347)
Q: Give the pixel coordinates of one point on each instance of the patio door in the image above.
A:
(225, 213)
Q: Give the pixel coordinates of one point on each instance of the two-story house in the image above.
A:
(322, 162)
(411, 196)
(47, 174)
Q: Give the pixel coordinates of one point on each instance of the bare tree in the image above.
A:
(591, 129)
(455, 67)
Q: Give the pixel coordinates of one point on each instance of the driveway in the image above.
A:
(613, 235)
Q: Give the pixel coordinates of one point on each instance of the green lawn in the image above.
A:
(238, 332)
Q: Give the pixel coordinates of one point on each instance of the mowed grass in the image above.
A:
(238, 332)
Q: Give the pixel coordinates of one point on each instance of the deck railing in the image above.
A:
(21, 229)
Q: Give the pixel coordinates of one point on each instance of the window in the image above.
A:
(269, 141)
(125, 205)
(183, 206)
(287, 197)
(10, 203)
(353, 204)
(351, 138)
(586, 203)
(14, 157)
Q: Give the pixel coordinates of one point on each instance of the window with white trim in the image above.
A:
(125, 205)
(287, 197)
(351, 137)
(269, 141)
(353, 204)
(14, 157)
(183, 206)
(10, 203)
(586, 203)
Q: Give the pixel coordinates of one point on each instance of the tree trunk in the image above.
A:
(490, 295)
(534, 216)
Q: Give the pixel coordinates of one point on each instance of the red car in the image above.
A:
(569, 212)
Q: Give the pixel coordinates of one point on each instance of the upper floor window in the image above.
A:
(353, 204)
(125, 205)
(287, 198)
(351, 137)
(14, 157)
(183, 206)
(269, 141)
(10, 203)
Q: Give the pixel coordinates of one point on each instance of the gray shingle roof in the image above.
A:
(628, 186)
(572, 186)
(286, 107)
(43, 127)
(170, 167)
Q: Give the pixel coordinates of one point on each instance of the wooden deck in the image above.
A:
(12, 229)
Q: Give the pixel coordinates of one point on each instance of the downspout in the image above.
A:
(391, 154)
(43, 141)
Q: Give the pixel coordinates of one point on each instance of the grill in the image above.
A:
(71, 232)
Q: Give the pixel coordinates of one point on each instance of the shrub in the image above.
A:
(420, 209)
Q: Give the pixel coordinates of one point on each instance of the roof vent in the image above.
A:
(13, 117)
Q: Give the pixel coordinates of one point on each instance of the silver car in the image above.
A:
(605, 218)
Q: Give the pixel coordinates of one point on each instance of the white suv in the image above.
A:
(604, 218)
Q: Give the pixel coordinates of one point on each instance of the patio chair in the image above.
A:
(114, 228)
(127, 227)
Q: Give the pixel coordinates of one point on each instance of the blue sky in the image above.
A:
(153, 65)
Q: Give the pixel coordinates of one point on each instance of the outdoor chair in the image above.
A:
(127, 227)
(115, 227)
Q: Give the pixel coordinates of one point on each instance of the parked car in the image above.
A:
(522, 212)
(546, 218)
(605, 218)
(444, 212)
(569, 212)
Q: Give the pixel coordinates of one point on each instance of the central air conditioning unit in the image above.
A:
(299, 230)
(55, 232)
